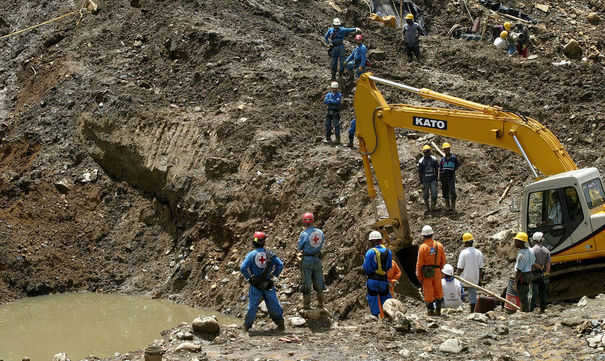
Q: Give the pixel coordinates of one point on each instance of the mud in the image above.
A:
(204, 120)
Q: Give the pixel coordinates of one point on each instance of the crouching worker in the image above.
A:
(258, 268)
(378, 261)
(453, 292)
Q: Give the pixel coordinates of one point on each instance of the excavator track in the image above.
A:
(571, 281)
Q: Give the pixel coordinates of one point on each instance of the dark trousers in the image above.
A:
(412, 49)
(539, 293)
(333, 119)
(448, 187)
(523, 290)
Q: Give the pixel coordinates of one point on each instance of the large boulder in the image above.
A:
(393, 307)
(206, 325)
(572, 50)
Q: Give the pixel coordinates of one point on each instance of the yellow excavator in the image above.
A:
(565, 203)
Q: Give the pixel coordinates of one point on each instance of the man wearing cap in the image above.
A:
(335, 37)
(453, 292)
(431, 258)
(377, 262)
(470, 267)
(358, 60)
(541, 273)
(411, 32)
(447, 171)
(523, 266)
(310, 242)
(258, 268)
(428, 168)
(332, 100)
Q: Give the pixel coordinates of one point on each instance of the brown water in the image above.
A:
(84, 324)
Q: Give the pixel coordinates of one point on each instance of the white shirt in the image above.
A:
(452, 293)
(470, 261)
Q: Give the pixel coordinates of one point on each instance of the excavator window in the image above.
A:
(554, 212)
(593, 191)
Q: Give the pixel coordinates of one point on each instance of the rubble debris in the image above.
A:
(64, 185)
(593, 18)
(498, 7)
(542, 7)
(572, 50)
(88, 177)
(451, 345)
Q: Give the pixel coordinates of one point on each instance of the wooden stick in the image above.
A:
(488, 292)
(468, 11)
(510, 183)
(485, 27)
(437, 148)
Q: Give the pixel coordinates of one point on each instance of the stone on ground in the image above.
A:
(572, 50)
(451, 345)
(61, 356)
(207, 325)
(593, 18)
(315, 314)
(393, 307)
(297, 321)
(479, 317)
(188, 346)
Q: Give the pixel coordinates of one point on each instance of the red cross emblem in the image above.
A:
(315, 239)
(262, 259)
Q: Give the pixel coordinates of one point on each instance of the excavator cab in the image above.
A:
(569, 209)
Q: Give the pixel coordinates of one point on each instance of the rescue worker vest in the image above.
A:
(381, 261)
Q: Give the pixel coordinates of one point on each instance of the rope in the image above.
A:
(47, 22)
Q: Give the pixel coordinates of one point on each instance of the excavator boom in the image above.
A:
(376, 121)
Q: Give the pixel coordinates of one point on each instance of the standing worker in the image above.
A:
(431, 258)
(470, 267)
(310, 242)
(453, 292)
(542, 274)
(447, 170)
(352, 127)
(411, 32)
(523, 266)
(358, 59)
(335, 37)
(333, 101)
(393, 276)
(428, 168)
(258, 267)
(377, 262)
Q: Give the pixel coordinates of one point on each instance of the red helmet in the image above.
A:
(308, 218)
(358, 37)
(259, 237)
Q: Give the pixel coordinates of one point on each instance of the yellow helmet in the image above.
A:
(410, 16)
(507, 26)
(426, 147)
(521, 236)
(467, 237)
(445, 145)
(504, 34)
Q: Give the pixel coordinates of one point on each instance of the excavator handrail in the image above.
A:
(491, 125)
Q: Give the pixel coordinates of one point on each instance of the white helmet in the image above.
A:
(374, 235)
(336, 22)
(448, 270)
(538, 236)
(427, 230)
(334, 85)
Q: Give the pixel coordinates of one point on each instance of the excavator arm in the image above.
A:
(376, 121)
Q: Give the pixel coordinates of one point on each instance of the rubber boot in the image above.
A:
(433, 204)
(453, 209)
(320, 299)
(473, 307)
(328, 139)
(438, 307)
(447, 204)
(429, 309)
(280, 324)
(350, 145)
(334, 75)
(337, 141)
(428, 208)
(307, 301)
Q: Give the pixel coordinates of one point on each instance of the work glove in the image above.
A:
(546, 278)
(358, 30)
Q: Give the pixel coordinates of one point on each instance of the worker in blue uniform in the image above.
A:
(258, 268)
(378, 261)
(358, 59)
(335, 37)
(333, 101)
(310, 242)
(352, 127)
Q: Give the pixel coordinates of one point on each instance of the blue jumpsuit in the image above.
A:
(310, 242)
(377, 286)
(337, 36)
(352, 126)
(357, 60)
(332, 100)
(253, 266)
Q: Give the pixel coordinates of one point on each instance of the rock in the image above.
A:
(479, 317)
(595, 341)
(88, 177)
(593, 53)
(583, 301)
(402, 324)
(452, 330)
(393, 307)
(572, 50)
(184, 335)
(377, 55)
(501, 330)
(492, 219)
(405, 353)
(451, 345)
(593, 18)
(544, 8)
(297, 321)
(491, 315)
(188, 346)
(315, 314)
(61, 356)
(263, 307)
(207, 325)
(63, 186)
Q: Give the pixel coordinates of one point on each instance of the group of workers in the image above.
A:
(512, 39)
(430, 171)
